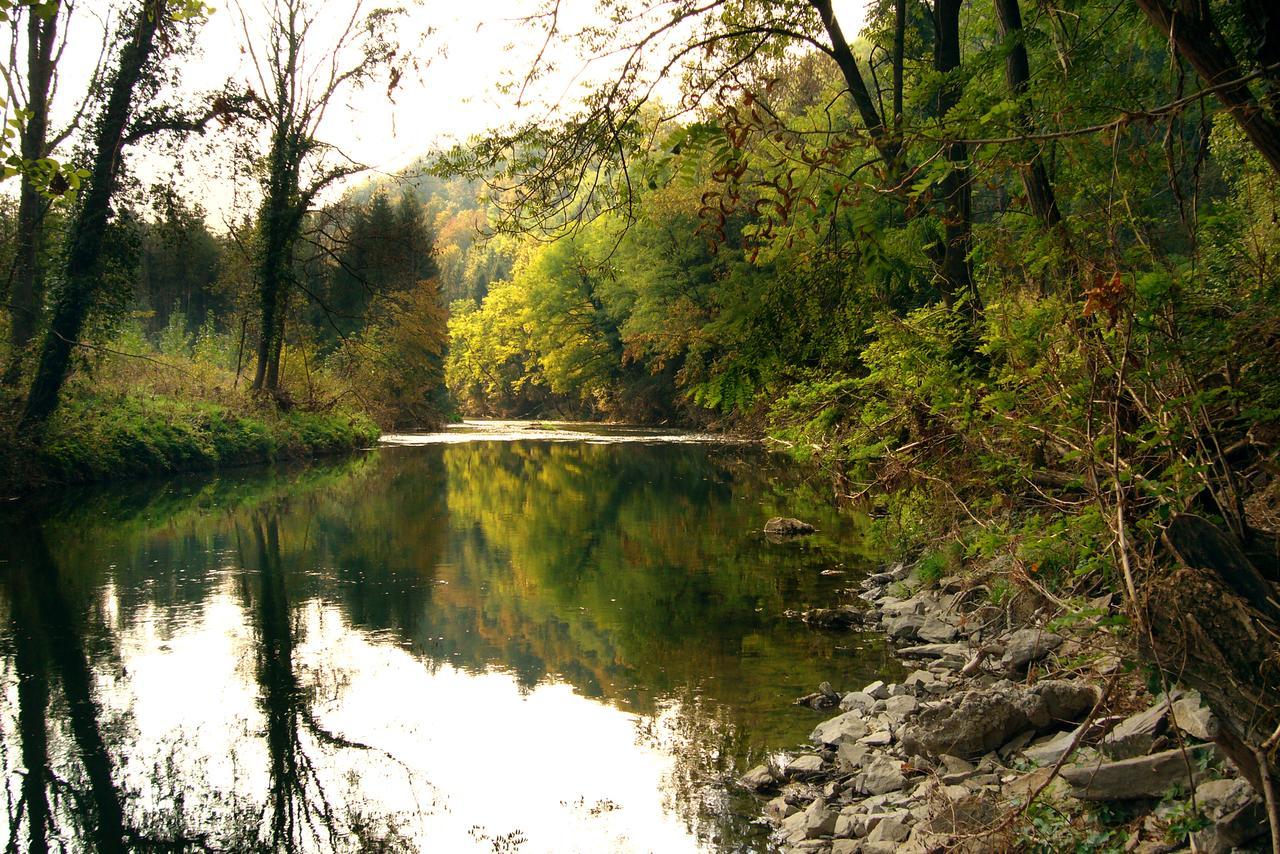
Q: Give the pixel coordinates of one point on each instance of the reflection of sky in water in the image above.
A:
(500, 646)
(475, 754)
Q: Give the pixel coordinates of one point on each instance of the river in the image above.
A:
(503, 638)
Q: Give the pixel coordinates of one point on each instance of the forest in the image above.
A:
(1007, 274)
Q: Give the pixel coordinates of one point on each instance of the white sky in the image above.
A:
(466, 48)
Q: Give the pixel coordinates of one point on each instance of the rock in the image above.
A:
(783, 526)
(778, 809)
(876, 690)
(1238, 815)
(803, 766)
(1129, 779)
(892, 829)
(1065, 701)
(1047, 751)
(883, 774)
(847, 727)
(954, 769)
(759, 777)
(919, 681)
(901, 706)
(904, 627)
(937, 630)
(981, 721)
(823, 698)
(1016, 744)
(857, 701)
(793, 827)
(851, 757)
(1135, 735)
(915, 606)
(819, 819)
(832, 618)
(1220, 798)
(846, 846)
(879, 738)
(1195, 719)
(1026, 646)
(956, 651)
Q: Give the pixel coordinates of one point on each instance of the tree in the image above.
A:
(88, 227)
(298, 80)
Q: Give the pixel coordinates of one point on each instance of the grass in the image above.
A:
(107, 436)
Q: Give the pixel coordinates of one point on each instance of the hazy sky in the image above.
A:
(465, 49)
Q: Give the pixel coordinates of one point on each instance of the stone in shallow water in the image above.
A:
(759, 777)
(787, 527)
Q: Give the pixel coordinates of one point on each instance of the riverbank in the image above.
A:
(106, 437)
(1020, 728)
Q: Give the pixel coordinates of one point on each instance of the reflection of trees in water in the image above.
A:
(301, 811)
(68, 760)
(47, 641)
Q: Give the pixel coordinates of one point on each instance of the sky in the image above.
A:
(463, 52)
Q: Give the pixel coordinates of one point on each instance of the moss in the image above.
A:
(106, 437)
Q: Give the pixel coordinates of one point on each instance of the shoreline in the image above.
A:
(1013, 731)
(99, 440)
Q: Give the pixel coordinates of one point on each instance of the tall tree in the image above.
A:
(88, 227)
(298, 80)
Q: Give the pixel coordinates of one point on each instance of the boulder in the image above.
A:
(904, 627)
(1065, 701)
(937, 630)
(892, 829)
(1237, 813)
(883, 774)
(981, 721)
(1047, 751)
(899, 707)
(877, 690)
(819, 819)
(759, 777)
(778, 809)
(803, 766)
(857, 701)
(852, 756)
(783, 526)
(847, 727)
(1027, 646)
(1195, 719)
(1135, 735)
(1139, 777)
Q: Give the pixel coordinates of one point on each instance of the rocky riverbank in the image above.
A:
(1020, 728)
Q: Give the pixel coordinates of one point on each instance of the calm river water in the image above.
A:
(502, 638)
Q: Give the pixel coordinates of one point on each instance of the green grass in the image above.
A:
(106, 437)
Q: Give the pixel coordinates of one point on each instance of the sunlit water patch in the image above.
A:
(467, 646)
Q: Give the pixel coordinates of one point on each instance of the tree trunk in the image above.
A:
(1191, 28)
(25, 296)
(81, 273)
(952, 258)
(1017, 72)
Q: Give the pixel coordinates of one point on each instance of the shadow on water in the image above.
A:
(524, 646)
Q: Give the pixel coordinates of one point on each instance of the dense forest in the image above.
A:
(1008, 272)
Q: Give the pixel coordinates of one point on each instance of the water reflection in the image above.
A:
(492, 646)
